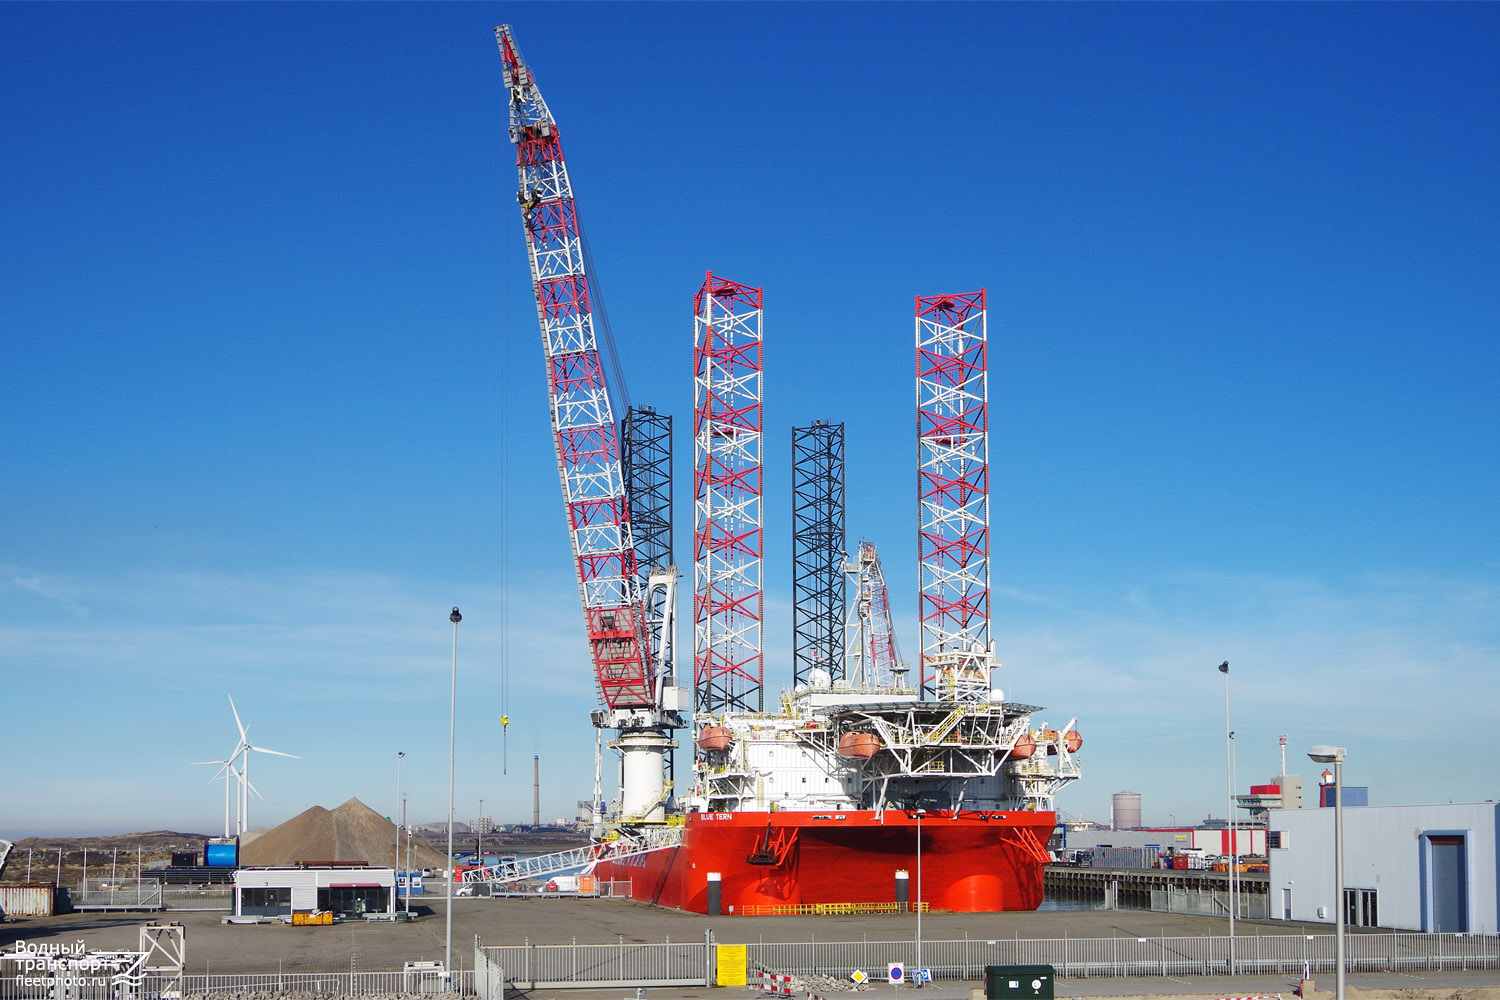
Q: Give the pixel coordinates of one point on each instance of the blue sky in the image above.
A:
(272, 396)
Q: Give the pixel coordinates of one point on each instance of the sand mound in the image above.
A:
(351, 834)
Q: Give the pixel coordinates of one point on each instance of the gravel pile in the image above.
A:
(351, 834)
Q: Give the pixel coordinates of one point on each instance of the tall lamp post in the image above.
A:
(920, 814)
(1229, 816)
(400, 819)
(480, 825)
(455, 618)
(1335, 755)
(406, 903)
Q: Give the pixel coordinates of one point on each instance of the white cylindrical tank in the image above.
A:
(1127, 810)
(643, 781)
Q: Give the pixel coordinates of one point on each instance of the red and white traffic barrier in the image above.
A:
(773, 983)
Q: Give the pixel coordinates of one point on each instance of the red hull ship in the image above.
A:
(822, 804)
(820, 800)
(975, 861)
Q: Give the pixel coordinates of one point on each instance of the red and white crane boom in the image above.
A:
(584, 424)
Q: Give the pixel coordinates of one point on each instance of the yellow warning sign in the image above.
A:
(731, 965)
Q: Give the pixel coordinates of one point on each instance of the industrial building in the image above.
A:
(1420, 868)
(1207, 841)
(344, 891)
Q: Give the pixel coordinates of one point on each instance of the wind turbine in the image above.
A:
(227, 772)
(243, 753)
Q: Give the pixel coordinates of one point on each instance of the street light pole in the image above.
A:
(1229, 817)
(455, 618)
(480, 825)
(1335, 756)
(396, 864)
(920, 814)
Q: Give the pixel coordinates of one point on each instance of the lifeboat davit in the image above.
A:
(859, 746)
(1049, 737)
(1073, 740)
(1024, 748)
(715, 738)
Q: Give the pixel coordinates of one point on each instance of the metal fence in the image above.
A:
(148, 894)
(1122, 956)
(1210, 904)
(104, 894)
(217, 898)
(155, 987)
(692, 964)
(555, 966)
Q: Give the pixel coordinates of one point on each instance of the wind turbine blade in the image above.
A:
(199, 763)
(237, 721)
(276, 752)
(253, 789)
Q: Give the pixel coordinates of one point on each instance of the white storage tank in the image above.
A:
(1125, 811)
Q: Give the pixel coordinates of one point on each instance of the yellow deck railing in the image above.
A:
(828, 909)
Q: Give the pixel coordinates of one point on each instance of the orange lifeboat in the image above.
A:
(715, 738)
(1073, 740)
(1024, 748)
(1049, 737)
(859, 746)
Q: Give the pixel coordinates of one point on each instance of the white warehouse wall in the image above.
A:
(1384, 849)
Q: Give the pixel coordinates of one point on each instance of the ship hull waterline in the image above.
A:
(971, 862)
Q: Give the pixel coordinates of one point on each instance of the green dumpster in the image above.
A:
(1014, 982)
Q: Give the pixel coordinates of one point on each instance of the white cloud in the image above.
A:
(339, 667)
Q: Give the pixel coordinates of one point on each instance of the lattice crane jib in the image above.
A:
(953, 494)
(647, 459)
(818, 583)
(885, 652)
(583, 416)
(728, 602)
(872, 655)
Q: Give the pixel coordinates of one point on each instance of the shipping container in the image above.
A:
(35, 899)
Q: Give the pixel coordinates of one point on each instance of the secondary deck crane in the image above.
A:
(631, 681)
